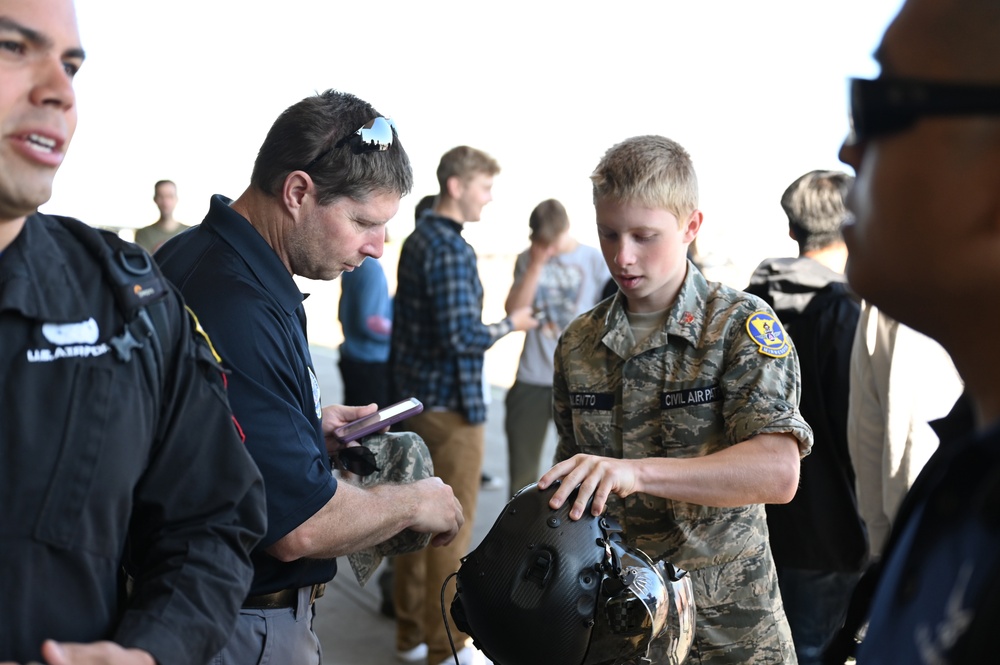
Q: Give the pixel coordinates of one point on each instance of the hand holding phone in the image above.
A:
(379, 420)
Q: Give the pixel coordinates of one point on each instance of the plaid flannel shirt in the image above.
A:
(438, 336)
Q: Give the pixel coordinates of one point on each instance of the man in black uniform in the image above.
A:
(118, 447)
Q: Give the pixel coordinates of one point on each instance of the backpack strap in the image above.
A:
(139, 290)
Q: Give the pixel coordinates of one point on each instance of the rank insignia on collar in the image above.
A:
(767, 333)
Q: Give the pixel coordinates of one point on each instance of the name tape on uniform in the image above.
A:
(690, 397)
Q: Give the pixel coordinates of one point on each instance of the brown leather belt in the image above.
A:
(282, 599)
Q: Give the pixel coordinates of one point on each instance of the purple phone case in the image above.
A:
(362, 427)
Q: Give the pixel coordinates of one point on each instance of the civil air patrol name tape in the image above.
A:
(768, 335)
(668, 400)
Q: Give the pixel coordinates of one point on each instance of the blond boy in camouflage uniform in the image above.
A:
(676, 404)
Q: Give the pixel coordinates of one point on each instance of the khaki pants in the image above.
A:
(457, 451)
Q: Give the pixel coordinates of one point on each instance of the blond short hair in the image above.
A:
(648, 171)
(464, 162)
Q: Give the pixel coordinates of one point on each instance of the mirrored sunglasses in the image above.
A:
(376, 135)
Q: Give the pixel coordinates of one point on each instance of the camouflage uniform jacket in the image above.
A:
(699, 385)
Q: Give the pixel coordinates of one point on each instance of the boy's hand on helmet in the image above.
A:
(596, 476)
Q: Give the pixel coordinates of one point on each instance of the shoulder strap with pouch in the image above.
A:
(139, 291)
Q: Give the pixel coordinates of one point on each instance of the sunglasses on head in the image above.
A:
(376, 135)
(887, 105)
(357, 460)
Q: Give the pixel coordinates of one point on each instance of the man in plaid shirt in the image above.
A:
(438, 343)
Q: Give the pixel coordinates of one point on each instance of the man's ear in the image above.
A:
(298, 186)
(692, 226)
(455, 186)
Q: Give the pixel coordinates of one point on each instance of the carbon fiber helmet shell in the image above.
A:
(542, 589)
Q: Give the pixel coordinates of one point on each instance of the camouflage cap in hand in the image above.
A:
(402, 457)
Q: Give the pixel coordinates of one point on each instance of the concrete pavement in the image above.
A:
(348, 621)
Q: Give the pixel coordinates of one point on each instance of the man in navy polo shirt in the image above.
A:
(328, 177)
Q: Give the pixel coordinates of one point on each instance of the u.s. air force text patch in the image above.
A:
(768, 334)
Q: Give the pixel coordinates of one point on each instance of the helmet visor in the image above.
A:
(646, 612)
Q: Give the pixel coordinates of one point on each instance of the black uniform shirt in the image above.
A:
(93, 454)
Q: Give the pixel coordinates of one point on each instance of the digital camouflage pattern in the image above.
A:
(402, 457)
(699, 385)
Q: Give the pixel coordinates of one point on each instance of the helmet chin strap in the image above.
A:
(612, 561)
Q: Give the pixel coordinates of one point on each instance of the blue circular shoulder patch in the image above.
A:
(767, 333)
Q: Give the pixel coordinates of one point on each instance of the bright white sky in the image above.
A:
(756, 91)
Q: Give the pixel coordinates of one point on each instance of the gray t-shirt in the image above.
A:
(570, 284)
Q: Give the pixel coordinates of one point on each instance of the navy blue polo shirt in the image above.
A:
(252, 310)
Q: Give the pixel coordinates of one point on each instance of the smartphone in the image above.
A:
(379, 420)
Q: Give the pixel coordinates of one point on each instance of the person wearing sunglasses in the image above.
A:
(925, 249)
(328, 177)
(437, 352)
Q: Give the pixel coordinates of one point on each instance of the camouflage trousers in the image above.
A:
(744, 632)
